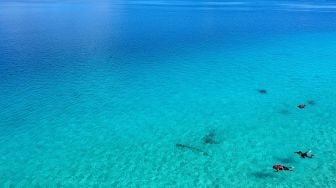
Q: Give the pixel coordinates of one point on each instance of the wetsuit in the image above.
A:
(304, 155)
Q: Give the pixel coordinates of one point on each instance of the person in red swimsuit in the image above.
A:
(281, 167)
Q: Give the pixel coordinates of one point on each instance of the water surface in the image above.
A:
(99, 93)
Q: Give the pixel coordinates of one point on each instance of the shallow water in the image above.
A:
(99, 94)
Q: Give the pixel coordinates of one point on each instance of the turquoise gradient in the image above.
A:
(98, 94)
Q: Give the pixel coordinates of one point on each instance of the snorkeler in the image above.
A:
(281, 167)
(307, 154)
(301, 106)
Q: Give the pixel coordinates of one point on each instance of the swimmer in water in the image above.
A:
(281, 167)
(306, 154)
(301, 106)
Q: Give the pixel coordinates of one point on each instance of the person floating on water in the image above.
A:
(306, 154)
(281, 167)
(301, 106)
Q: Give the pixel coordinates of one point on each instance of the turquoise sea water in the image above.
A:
(99, 94)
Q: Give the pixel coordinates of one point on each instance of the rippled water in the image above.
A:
(167, 93)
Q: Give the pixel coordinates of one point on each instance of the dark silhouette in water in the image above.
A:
(284, 112)
(306, 154)
(262, 175)
(285, 159)
(311, 102)
(301, 106)
(194, 149)
(210, 138)
(262, 91)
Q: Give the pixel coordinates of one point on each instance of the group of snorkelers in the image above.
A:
(303, 155)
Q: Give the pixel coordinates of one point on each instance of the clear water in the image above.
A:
(99, 94)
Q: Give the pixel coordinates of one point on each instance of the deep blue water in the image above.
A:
(99, 93)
